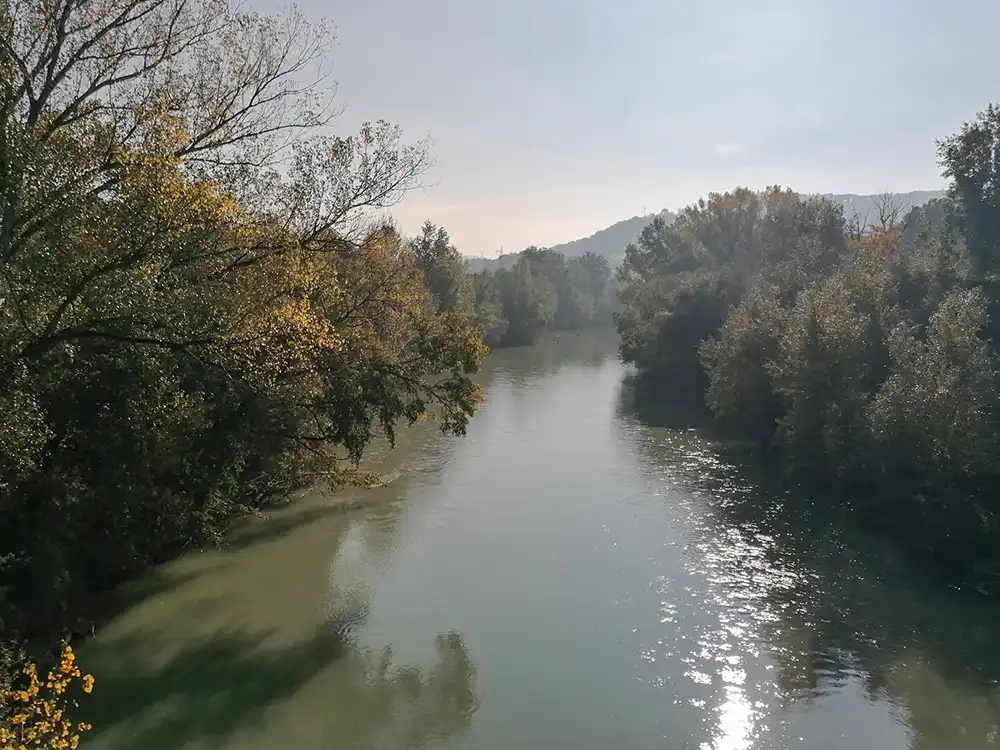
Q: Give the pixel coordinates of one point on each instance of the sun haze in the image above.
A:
(554, 118)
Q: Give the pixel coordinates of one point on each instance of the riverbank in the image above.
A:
(963, 552)
(653, 589)
(254, 525)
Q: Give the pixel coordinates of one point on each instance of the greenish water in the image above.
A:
(576, 573)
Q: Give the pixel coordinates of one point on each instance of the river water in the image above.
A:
(583, 570)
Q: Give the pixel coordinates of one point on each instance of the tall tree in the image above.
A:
(971, 159)
(444, 269)
(198, 312)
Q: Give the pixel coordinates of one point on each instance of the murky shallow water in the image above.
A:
(572, 574)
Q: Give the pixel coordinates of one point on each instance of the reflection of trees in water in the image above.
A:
(835, 605)
(408, 707)
(323, 692)
(519, 365)
(209, 674)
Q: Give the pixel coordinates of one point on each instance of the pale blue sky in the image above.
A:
(554, 118)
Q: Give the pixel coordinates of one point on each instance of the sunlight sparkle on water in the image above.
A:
(736, 719)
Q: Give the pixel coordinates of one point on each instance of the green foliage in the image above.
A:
(443, 268)
(679, 282)
(831, 356)
(488, 309)
(529, 301)
(186, 330)
(936, 412)
(738, 359)
(513, 306)
(863, 353)
(970, 160)
(541, 291)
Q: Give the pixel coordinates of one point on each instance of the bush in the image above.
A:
(37, 711)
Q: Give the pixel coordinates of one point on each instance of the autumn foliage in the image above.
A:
(38, 710)
(860, 352)
(202, 306)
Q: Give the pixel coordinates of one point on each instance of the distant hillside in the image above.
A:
(504, 260)
(611, 241)
(865, 205)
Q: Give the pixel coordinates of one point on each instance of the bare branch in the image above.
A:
(236, 88)
(857, 225)
(890, 210)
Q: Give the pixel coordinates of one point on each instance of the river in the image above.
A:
(580, 571)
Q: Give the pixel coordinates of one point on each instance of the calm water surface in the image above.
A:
(578, 572)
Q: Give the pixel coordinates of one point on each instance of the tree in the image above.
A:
(679, 282)
(971, 159)
(738, 362)
(443, 268)
(200, 313)
(488, 309)
(529, 302)
(936, 412)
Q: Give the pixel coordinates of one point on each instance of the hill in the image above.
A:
(612, 240)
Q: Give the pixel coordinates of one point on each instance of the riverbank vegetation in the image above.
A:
(543, 290)
(858, 350)
(198, 313)
(39, 715)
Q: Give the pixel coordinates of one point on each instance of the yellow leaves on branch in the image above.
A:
(296, 320)
(164, 132)
(39, 719)
(475, 345)
(288, 337)
(156, 170)
(172, 197)
(881, 242)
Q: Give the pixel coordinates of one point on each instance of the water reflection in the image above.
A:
(218, 692)
(256, 645)
(594, 571)
(519, 367)
(810, 617)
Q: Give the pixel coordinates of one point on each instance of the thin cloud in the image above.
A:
(536, 164)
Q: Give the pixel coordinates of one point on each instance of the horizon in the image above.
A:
(553, 120)
(676, 211)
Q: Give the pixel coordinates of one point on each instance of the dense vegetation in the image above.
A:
(513, 306)
(860, 349)
(197, 315)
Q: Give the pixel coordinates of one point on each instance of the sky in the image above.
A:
(552, 119)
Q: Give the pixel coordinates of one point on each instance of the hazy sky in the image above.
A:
(554, 118)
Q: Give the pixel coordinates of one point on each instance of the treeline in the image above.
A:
(861, 350)
(196, 316)
(543, 291)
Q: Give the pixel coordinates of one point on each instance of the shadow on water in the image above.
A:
(160, 688)
(277, 524)
(522, 364)
(254, 645)
(247, 532)
(214, 689)
(833, 604)
(654, 405)
(209, 688)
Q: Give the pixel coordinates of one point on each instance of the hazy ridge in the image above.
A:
(611, 241)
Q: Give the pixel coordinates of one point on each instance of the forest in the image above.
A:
(542, 291)
(200, 311)
(197, 313)
(856, 351)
